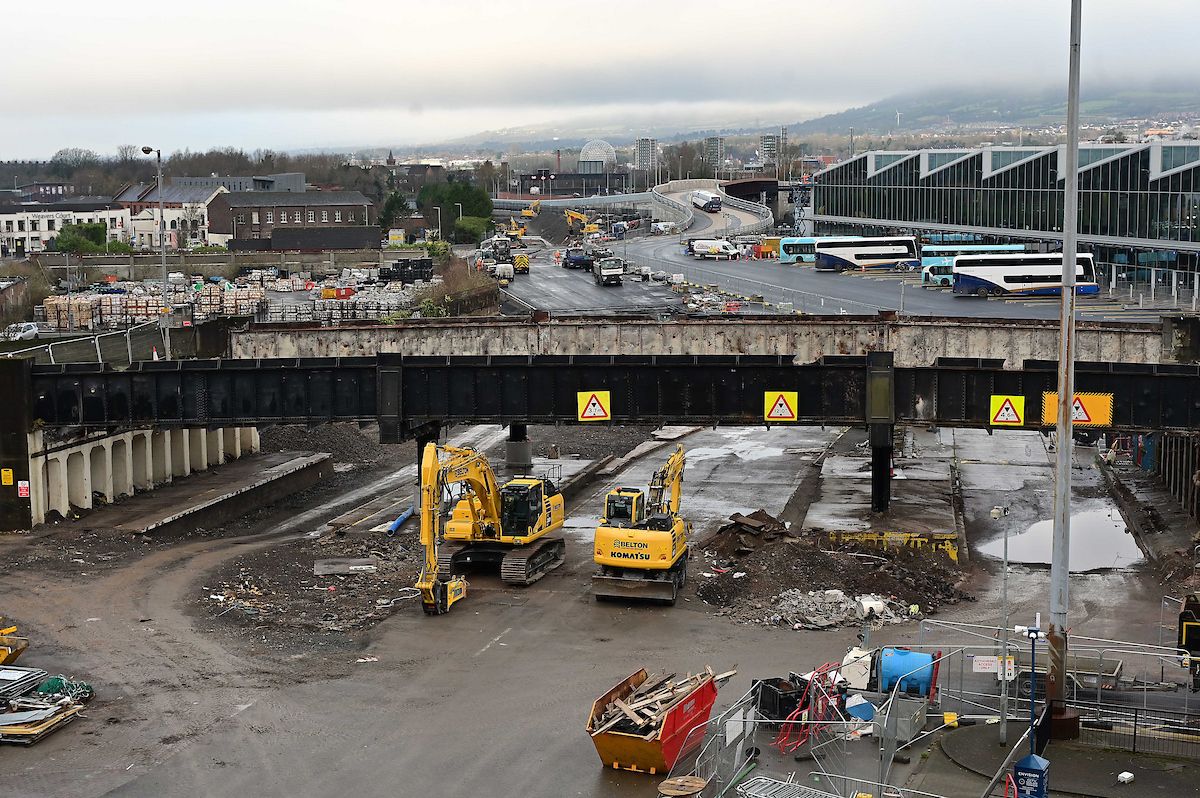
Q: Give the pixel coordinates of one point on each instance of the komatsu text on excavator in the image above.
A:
(510, 526)
(641, 545)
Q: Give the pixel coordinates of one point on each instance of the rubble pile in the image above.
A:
(757, 569)
(824, 609)
(328, 584)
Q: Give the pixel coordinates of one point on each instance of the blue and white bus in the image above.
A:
(801, 250)
(862, 254)
(937, 260)
(706, 201)
(1024, 275)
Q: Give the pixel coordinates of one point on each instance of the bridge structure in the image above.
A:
(414, 397)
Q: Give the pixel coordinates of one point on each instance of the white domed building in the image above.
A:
(597, 157)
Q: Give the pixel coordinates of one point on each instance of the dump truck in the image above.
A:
(608, 271)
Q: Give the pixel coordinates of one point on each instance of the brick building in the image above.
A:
(255, 214)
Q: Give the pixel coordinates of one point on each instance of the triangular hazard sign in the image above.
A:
(1007, 414)
(594, 409)
(781, 410)
(1079, 412)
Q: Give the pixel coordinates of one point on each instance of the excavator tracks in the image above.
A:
(527, 564)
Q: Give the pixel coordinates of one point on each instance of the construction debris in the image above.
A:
(32, 706)
(760, 570)
(643, 710)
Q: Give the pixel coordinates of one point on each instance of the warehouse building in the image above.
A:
(1138, 203)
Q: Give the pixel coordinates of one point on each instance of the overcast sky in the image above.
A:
(288, 74)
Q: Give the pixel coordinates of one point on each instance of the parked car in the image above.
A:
(25, 331)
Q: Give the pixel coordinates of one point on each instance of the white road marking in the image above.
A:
(493, 641)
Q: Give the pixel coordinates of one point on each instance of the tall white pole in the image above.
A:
(162, 236)
(1004, 651)
(1060, 556)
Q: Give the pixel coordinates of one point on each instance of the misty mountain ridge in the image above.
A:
(932, 110)
(950, 108)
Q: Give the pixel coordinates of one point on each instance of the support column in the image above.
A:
(249, 440)
(56, 485)
(181, 460)
(232, 441)
(518, 450)
(881, 417)
(216, 447)
(881, 467)
(160, 456)
(143, 465)
(198, 449)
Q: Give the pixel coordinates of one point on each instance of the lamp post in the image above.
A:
(551, 195)
(1067, 722)
(162, 229)
(438, 208)
(999, 512)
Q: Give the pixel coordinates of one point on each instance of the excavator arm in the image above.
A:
(437, 596)
(666, 487)
(472, 468)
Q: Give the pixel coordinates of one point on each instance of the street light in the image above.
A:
(999, 512)
(162, 228)
(438, 208)
(459, 206)
(551, 195)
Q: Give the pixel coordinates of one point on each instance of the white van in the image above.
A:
(714, 248)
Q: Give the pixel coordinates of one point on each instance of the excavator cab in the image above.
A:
(520, 509)
(624, 507)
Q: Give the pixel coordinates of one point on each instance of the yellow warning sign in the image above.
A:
(593, 405)
(6, 476)
(1007, 411)
(779, 405)
(1088, 409)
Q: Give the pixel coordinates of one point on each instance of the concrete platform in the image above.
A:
(210, 498)
(922, 492)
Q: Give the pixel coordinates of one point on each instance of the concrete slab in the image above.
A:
(922, 491)
(210, 497)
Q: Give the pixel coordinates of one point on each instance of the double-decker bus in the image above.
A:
(937, 260)
(863, 254)
(1025, 275)
(802, 249)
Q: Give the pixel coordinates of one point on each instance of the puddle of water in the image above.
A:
(1099, 539)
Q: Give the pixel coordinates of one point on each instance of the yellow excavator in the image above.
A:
(533, 210)
(11, 645)
(438, 594)
(641, 544)
(580, 224)
(514, 230)
(509, 526)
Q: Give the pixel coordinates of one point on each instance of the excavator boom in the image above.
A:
(437, 595)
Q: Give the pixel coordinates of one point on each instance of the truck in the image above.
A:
(577, 258)
(714, 248)
(608, 271)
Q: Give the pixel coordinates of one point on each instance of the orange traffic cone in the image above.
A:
(154, 351)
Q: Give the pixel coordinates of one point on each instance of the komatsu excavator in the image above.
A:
(641, 544)
(438, 593)
(510, 526)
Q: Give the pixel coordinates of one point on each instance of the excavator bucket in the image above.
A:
(624, 587)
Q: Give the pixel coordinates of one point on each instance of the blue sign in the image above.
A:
(1032, 775)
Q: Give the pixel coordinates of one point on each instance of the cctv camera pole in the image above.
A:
(1064, 724)
(1004, 651)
